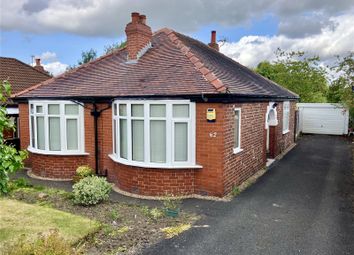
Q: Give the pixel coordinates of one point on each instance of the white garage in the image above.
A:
(318, 118)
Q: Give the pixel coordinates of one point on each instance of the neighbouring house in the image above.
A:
(21, 76)
(167, 114)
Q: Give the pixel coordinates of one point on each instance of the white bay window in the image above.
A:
(56, 127)
(154, 133)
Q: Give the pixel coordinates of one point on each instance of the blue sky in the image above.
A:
(68, 47)
(59, 30)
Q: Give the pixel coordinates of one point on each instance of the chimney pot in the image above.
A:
(142, 19)
(135, 17)
(38, 61)
(213, 44)
(213, 36)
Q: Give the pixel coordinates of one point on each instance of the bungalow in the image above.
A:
(165, 114)
(21, 76)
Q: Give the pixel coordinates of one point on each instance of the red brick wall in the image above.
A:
(24, 129)
(240, 166)
(58, 167)
(285, 140)
(222, 169)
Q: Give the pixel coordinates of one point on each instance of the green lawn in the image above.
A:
(17, 218)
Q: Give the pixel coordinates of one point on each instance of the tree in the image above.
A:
(341, 89)
(86, 56)
(111, 47)
(10, 159)
(298, 73)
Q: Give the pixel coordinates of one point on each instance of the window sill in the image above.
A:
(237, 150)
(286, 131)
(147, 165)
(56, 153)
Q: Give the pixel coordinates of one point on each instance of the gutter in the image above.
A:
(201, 97)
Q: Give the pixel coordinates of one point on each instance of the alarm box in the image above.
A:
(211, 115)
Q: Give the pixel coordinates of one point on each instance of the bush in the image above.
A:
(84, 171)
(46, 244)
(91, 190)
(171, 203)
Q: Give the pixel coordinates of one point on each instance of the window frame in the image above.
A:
(170, 133)
(286, 117)
(63, 127)
(238, 148)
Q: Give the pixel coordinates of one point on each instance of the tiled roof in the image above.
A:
(20, 75)
(175, 65)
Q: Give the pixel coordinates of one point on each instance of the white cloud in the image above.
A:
(48, 56)
(51, 63)
(108, 18)
(55, 68)
(331, 41)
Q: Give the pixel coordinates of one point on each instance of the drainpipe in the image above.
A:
(96, 114)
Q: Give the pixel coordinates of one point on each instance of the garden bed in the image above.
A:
(124, 228)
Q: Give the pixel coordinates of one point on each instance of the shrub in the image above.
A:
(91, 190)
(18, 183)
(171, 203)
(84, 171)
(46, 244)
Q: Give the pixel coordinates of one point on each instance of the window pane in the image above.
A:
(123, 138)
(158, 141)
(33, 133)
(72, 138)
(181, 141)
(39, 109)
(138, 140)
(53, 109)
(71, 109)
(31, 108)
(157, 110)
(115, 109)
(181, 111)
(40, 133)
(54, 134)
(237, 130)
(122, 110)
(137, 110)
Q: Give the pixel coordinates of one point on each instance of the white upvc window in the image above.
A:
(286, 116)
(237, 130)
(156, 133)
(56, 127)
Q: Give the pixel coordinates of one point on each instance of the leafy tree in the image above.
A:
(298, 73)
(341, 89)
(110, 48)
(10, 159)
(86, 56)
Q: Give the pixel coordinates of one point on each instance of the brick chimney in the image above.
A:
(38, 65)
(213, 44)
(138, 36)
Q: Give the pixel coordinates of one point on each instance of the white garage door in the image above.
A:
(329, 119)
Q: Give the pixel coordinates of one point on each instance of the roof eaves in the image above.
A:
(198, 64)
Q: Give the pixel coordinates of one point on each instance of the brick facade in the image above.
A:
(221, 168)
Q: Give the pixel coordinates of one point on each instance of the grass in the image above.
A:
(18, 218)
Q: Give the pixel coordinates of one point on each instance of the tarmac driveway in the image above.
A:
(297, 207)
